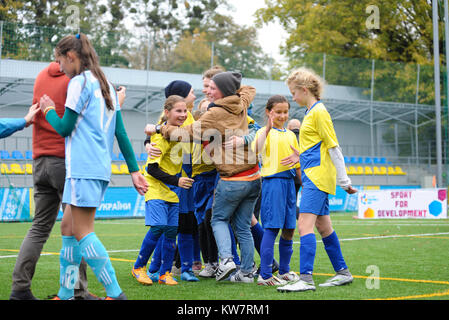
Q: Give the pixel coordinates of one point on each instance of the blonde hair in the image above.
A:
(306, 78)
(169, 105)
(209, 74)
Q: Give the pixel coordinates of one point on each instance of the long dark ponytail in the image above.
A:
(81, 45)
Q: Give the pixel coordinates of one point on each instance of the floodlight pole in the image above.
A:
(148, 76)
(1, 42)
(436, 63)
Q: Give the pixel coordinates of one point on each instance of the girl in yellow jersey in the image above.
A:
(162, 201)
(278, 198)
(322, 166)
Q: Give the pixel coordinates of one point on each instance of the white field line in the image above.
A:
(296, 242)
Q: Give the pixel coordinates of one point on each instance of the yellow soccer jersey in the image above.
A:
(170, 161)
(276, 148)
(201, 162)
(316, 137)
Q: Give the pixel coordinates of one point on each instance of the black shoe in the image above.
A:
(22, 295)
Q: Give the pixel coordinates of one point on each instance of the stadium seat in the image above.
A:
(114, 157)
(28, 168)
(124, 169)
(28, 155)
(352, 170)
(353, 160)
(4, 155)
(383, 170)
(391, 171)
(142, 169)
(376, 170)
(17, 155)
(368, 160)
(399, 171)
(4, 169)
(347, 159)
(368, 170)
(16, 169)
(121, 157)
(360, 170)
(115, 169)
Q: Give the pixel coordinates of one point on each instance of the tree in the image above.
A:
(192, 53)
(343, 28)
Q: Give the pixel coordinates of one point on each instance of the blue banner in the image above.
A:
(16, 204)
(119, 202)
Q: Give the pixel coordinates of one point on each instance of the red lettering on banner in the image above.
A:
(401, 194)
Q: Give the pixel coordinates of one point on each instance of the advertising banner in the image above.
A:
(403, 204)
(15, 204)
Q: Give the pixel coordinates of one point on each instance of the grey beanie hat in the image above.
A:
(227, 82)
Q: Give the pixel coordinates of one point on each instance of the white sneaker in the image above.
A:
(273, 281)
(298, 286)
(337, 280)
(240, 277)
(289, 276)
(208, 271)
(225, 268)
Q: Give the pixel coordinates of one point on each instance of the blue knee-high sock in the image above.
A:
(333, 249)
(267, 255)
(234, 247)
(69, 259)
(185, 247)
(168, 253)
(257, 232)
(307, 252)
(156, 258)
(96, 256)
(196, 247)
(147, 247)
(285, 255)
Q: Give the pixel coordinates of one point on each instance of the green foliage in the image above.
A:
(123, 30)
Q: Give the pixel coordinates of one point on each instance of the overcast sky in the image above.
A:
(271, 36)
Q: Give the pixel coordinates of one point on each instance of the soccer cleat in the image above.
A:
(272, 281)
(122, 296)
(208, 271)
(189, 276)
(167, 279)
(337, 280)
(239, 276)
(89, 296)
(289, 276)
(297, 286)
(141, 276)
(225, 268)
(58, 298)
